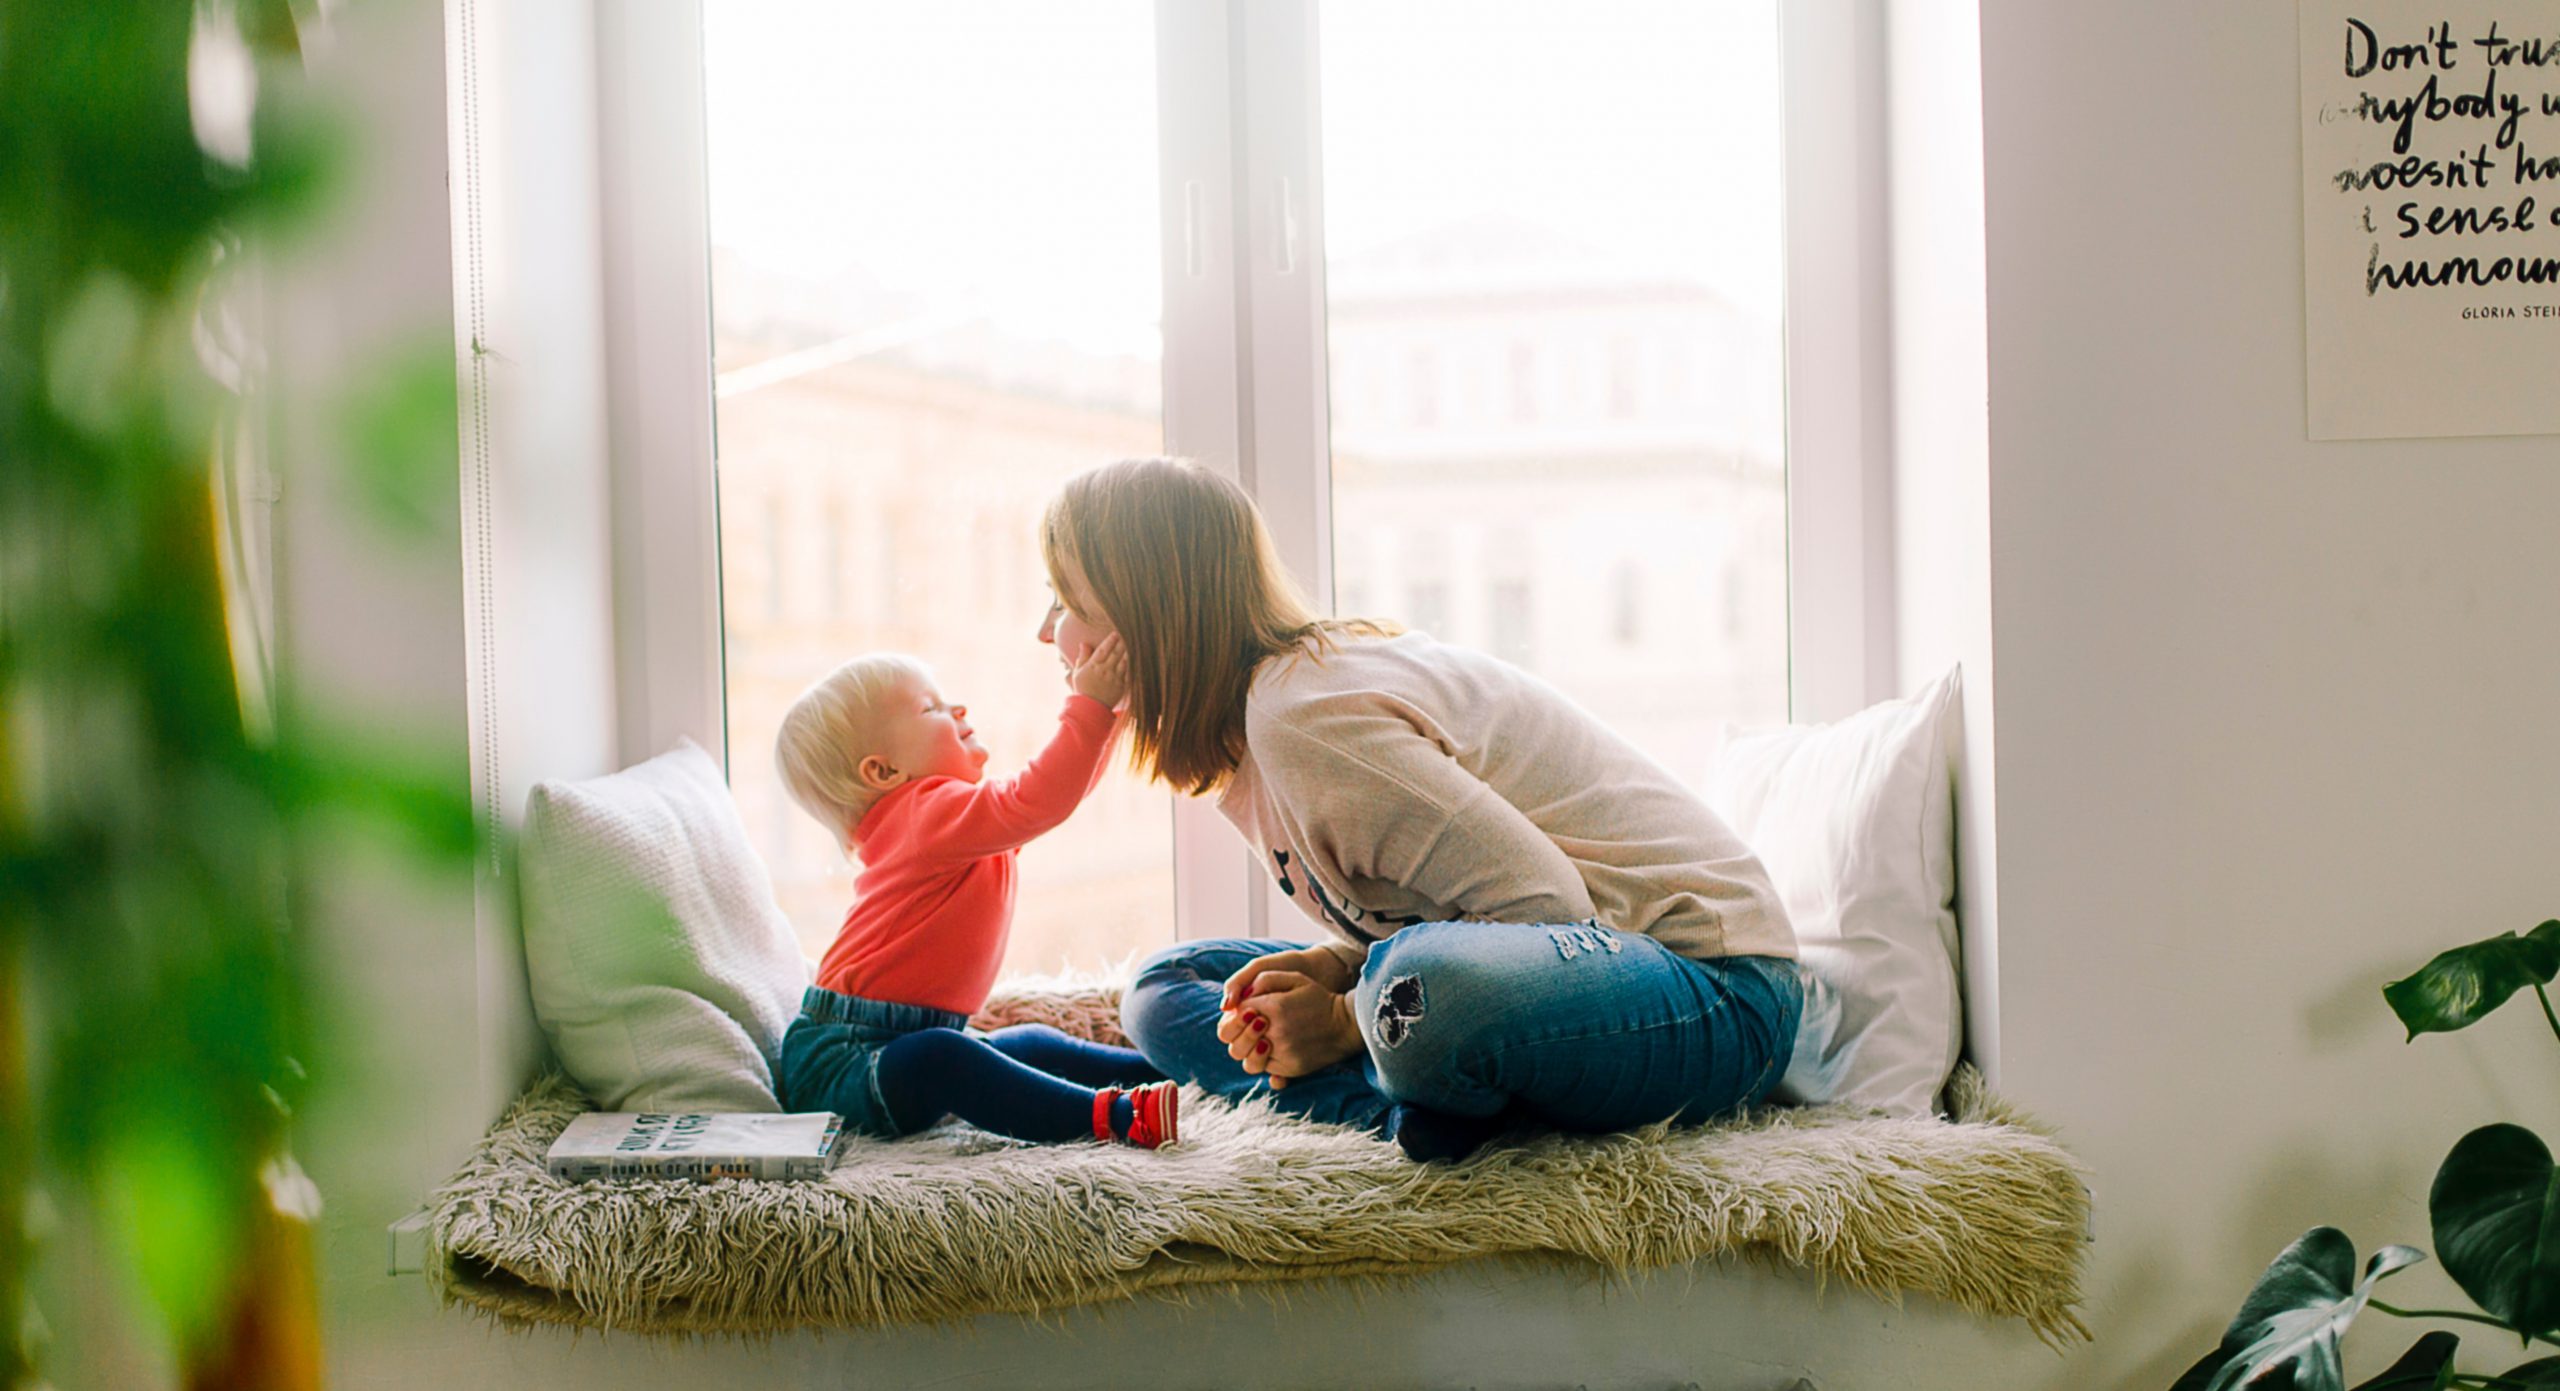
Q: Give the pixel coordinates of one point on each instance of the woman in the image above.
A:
(1531, 920)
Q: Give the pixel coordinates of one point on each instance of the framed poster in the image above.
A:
(2431, 217)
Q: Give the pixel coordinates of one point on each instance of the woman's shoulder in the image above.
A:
(1439, 685)
(1328, 661)
(1408, 670)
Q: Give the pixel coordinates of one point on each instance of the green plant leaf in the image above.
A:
(2541, 1372)
(2424, 1367)
(174, 1214)
(2460, 986)
(2296, 1312)
(399, 431)
(2496, 1210)
(2201, 1375)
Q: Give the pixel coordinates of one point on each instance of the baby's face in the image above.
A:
(923, 736)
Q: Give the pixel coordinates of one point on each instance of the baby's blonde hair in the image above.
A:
(828, 731)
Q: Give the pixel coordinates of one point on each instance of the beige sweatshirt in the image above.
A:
(1400, 780)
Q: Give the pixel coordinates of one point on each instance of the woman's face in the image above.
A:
(1075, 623)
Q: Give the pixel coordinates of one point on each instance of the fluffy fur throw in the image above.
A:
(1983, 1211)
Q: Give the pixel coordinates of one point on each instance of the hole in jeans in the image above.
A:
(1398, 1007)
(1574, 941)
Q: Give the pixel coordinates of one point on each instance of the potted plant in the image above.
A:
(2494, 1209)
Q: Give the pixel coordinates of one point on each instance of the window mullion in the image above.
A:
(1280, 285)
(1214, 876)
(655, 227)
(1282, 241)
(1840, 637)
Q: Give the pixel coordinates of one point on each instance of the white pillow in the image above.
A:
(1855, 822)
(662, 970)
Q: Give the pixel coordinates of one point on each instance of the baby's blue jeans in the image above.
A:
(1577, 1027)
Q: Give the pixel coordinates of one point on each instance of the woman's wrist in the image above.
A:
(1326, 967)
(1347, 1038)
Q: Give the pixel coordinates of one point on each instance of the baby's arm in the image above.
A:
(998, 815)
(1104, 672)
(1104, 676)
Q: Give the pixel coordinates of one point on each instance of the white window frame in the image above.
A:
(1840, 563)
(1244, 291)
(655, 213)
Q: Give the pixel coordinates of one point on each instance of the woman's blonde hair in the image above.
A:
(1179, 561)
(828, 730)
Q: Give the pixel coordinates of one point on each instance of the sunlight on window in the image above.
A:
(935, 295)
(1553, 288)
(1559, 225)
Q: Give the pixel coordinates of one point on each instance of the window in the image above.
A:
(1570, 183)
(1622, 378)
(1524, 383)
(1520, 273)
(839, 526)
(773, 553)
(1422, 383)
(912, 352)
(1627, 610)
(1428, 603)
(1515, 623)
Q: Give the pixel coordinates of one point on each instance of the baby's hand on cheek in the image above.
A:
(1103, 675)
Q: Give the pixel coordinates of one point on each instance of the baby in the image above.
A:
(896, 775)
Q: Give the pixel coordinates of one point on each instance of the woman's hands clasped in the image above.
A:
(1288, 1014)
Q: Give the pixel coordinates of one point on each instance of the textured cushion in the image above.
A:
(1856, 824)
(1986, 1213)
(662, 970)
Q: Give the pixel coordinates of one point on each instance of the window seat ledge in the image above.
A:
(1983, 1211)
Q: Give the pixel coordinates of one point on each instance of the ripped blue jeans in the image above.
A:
(1576, 1027)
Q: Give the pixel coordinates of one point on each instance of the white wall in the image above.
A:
(2276, 719)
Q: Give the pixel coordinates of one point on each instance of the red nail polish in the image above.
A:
(1262, 1047)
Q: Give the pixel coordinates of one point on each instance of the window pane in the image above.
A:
(935, 290)
(1554, 286)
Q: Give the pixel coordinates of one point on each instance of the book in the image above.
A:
(700, 1146)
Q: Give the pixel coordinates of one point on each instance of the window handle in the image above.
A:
(1286, 206)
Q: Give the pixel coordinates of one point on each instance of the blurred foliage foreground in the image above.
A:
(159, 1021)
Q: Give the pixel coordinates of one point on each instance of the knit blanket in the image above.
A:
(1982, 1210)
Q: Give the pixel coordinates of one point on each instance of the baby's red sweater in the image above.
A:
(934, 902)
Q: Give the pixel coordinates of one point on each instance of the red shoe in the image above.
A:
(1155, 1111)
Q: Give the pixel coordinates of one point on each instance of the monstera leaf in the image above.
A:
(2294, 1315)
(2496, 1209)
(2423, 1367)
(2458, 987)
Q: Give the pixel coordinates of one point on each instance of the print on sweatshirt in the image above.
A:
(1351, 922)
